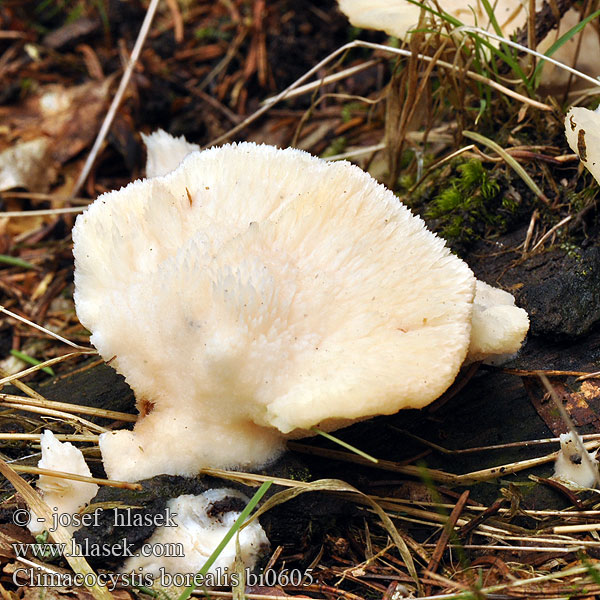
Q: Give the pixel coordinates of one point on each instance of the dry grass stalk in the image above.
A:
(47, 363)
(369, 45)
(35, 437)
(72, 476)
(71, 419)
(47, 332)
(112, 111)
(16, 401)
(60, 535)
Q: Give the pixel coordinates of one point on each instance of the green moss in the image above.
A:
(571, 249)
(469, 204)
(27, 84)
(584, 197)
(300, 474)
(337, 146)
(211, 34)
(349, 108)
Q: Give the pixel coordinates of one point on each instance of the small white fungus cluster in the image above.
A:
(496, 324)
(200, 528)
(572, 466)
(199, 522)
(64, 496)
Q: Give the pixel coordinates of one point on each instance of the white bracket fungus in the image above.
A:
(165, 152)
(254, 293)
(200, 527)
(582, 128)
(571, 466)
(64, 496)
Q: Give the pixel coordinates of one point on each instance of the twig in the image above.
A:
(548, 373)
(447, 531)
(35, 437)
(369, 45)
(551, 231)
(508, 42)
(46, 331)
(310, 87)
(435, 474)
(41, 213)
(479, 519)
(576, 528)
(534, 217)
(47, 363)
(23, 387)
(62, 475)
(584, 376)
(112, 111)
(59, 414)
(177, 20)
(356, 152)
(10, 399)
(525, 444)
(384, 465)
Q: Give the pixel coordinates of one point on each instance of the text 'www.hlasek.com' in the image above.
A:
(32, 575)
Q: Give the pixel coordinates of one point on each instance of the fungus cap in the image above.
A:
(572, 467)
(254, 293)
(498, 327)
(398, 17)
(65, 496)
(582, 128)
(165, 152)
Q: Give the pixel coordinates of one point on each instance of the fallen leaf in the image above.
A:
(27, 165)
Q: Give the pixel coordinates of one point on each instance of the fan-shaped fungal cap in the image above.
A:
(254, 293)
(582, 128)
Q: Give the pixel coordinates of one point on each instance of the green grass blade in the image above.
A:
(32, 361)
(491, 16)
(14, 261)
(335, 485)
(505, 56)
(563, 39)
(234, 529)
(343, 444)
(531, 184)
